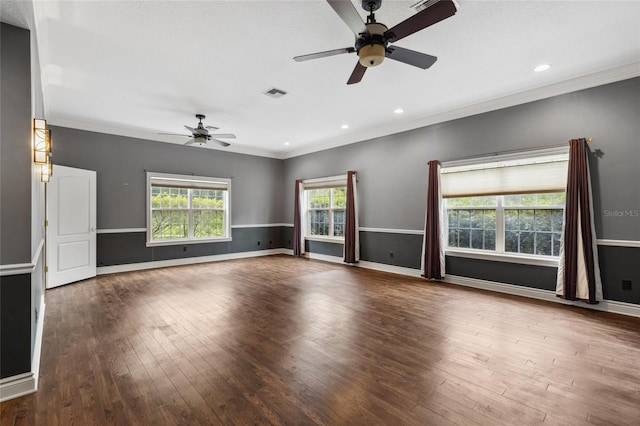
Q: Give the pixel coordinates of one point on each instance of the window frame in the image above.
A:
(500, 254)
(204, 181)
(323, 183)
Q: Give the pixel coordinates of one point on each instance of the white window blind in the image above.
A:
(507, 176)
(326, 182)
(195, 183)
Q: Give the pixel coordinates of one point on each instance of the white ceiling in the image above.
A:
(137, 68)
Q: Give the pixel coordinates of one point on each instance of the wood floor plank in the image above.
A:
(280, 340)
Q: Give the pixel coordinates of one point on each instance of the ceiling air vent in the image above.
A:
(423, 4)
(275, 93)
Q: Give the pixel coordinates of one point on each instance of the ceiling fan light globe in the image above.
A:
(371, 55)
(200, 141)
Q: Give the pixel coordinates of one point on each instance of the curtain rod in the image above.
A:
(513, 151)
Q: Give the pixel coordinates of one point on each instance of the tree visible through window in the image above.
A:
(533, 223)
(524, 223)
(187, 210)
(326, 211)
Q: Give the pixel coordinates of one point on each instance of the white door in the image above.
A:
(71, 230)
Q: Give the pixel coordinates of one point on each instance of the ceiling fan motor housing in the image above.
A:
(371, 5)
(371, 47)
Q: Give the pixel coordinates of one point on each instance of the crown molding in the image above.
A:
(575, 84)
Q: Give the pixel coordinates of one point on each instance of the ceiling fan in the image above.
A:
(200, 134)
(373, 38)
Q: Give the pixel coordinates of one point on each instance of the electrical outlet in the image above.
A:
(270, 242)
(258, 242)
(626, 285)
(184, 248)
(391, 254)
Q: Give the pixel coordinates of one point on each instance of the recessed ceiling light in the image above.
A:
(398, 110)
(287, 143)
(344, 126)
(542, 67)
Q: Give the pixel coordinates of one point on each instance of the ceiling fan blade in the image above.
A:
(221, 143)
(191, 129)
(423, 19)
(411, 57)
(190, 142)
(324, 54)
(357, 74)
(211, 127)
(175, 134)
(349, 15)
(224, 135)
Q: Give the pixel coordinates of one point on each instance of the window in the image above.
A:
(472, 222)
(325, 201)
(326, 211)
(523, 223)
(505, 205)
(187, 209)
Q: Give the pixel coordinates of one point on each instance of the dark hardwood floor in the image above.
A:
(279, 340)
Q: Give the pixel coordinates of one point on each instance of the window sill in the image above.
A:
(502, 257)
(185, 242)
(335, 240)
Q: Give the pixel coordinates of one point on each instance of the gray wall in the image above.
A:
(15, 153)
(121, 162)
(15, 199)
(392, 174)
(392, 183)
(392, 170)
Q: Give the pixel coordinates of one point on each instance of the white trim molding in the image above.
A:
(18, 385)
(613, 306)
(323, 257)
(37, 350)
(26, 383)
(364, 264)
(263, 225)
(16, 269)
(392, 231)
(400, 270)
(601, 242)
(22, 268)
(128, 267)
(325, 239)
(503, 257)
(120, 230)
(548, 295)
(574, 84)
(619, 243)
(132, 230)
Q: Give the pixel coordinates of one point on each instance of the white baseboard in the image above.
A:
(548, 295)
(390, 268)
(613, 306)
(102, 270)
(365, 264)
(26, 383)
(18, 385)
(323, 257)
(37, 350)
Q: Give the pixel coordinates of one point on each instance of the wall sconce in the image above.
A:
(46, 170)
(41, 141)
(42, 148)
